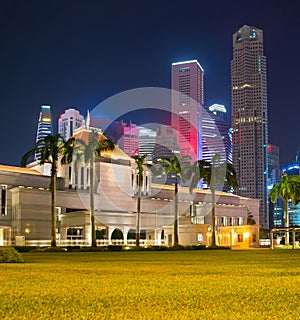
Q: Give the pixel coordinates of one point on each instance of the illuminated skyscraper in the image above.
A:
(187, 102)
(70, 120)
(147, 142)
(250, 116)
(44, 126)
(216, 134)
(125, 136)
(165, 147)
(276, 211)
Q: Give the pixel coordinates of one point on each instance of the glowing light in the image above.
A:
(217, 107)
(246, 85)
(188, 61)
(46, 120)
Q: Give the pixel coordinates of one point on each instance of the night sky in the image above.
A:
(79, 53)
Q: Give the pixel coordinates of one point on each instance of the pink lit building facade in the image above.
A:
(187, 102)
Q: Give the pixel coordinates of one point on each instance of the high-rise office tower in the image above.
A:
(165, 147)
(250, 116)
(70, 120)
(166, 143)
(44, 126)
(276, 211)
(216, 135)
(147, 140)
(187, 102)
(125, 135)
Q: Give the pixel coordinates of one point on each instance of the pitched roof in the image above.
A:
(19, 170)
(117, 153)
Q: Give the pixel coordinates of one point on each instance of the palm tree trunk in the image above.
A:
(53, 209)
(92, 209)
(138, 217)
(287, 236)
(213, 216)
(176, 238)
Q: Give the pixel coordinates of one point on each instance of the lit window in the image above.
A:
(184, 69)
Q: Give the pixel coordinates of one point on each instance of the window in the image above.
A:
(70, 177)
(240, 237)
(74, 233)
(3, 200)
(200, 237)
(184, 69)
(223, 221)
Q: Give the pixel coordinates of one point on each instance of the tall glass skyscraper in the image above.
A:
(216, 134)
(187, 102)
(44, 126)
(250, 116)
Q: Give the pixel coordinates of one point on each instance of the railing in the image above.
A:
(265, 243)
(83, 243)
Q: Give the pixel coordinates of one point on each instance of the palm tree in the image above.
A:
(53, 148)
(88, 152)
(140, 164)
(287, 189)
(214, 173)
(174, 165)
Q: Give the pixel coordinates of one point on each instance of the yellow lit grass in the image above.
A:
(153, 285)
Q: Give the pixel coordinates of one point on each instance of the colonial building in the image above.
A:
(25, 215)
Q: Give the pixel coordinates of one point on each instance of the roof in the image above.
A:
(195, 190)
(19, 170)
(117, 153)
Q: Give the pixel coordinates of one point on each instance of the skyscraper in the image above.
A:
(165, 147)
(250, 115)
(125, 135)
(68, 121)
(276, 211)
(187, 102)
(216, 135)
(44, 126)
(147, 142)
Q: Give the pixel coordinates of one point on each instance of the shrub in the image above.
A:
(114, 248)
(177, 247)
(199, 247)
(90, 249)
(218, 248)
(53, 249)
(8, 255)
(26, 248)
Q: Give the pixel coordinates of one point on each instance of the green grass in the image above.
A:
(258, 284)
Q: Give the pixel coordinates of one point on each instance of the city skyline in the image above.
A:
(76, 56)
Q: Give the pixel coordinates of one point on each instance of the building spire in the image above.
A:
(88, 120)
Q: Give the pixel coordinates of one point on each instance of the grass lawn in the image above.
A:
(258, 284)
